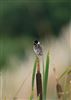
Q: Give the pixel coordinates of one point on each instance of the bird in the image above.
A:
(37, 48)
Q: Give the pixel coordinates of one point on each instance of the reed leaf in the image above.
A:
(33, 78)
(34, 72)
(46, 78)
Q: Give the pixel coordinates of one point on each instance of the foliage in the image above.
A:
(33, 79)
(33, 19)
(33, 75)
(46, 78)
(44, 81)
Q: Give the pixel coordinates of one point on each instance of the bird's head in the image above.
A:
(36, 42)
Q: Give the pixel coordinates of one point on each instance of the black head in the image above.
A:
(35, 42)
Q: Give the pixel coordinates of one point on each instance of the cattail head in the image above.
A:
(59, 90)
(39, 85)
(58, 85)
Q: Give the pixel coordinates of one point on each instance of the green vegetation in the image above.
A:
(46, 78)
(31, 19)
(44, 81)
(22, 17)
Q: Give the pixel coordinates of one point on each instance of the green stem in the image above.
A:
(43, 76)
(46, 77)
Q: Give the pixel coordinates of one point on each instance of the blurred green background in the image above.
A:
(22, 21)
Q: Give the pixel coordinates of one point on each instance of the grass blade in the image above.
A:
(34, 72)
(46, 77)
(33, 78)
